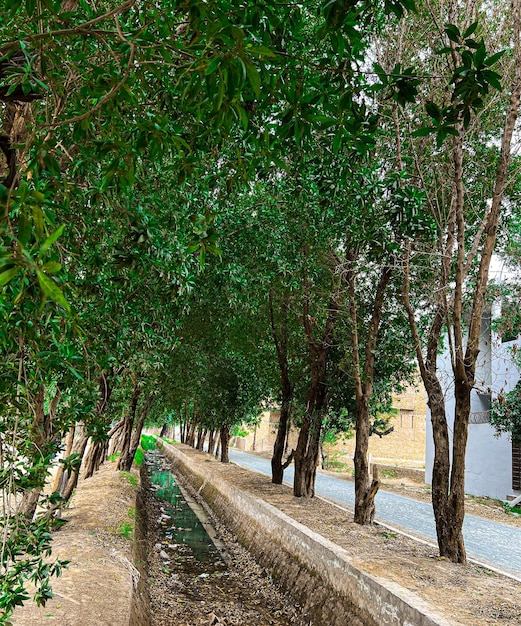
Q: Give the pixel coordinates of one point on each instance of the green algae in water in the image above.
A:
(182, 526)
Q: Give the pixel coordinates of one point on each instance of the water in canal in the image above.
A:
(191, 581)
(186, 540)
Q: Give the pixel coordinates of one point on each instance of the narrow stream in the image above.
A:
(187, 542)
(198, 574)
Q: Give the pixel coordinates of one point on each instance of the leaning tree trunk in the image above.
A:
(136, 435)
(126, 436)
(115, 438)
(95, 457)
(277, 466)
(70, 479)
(39, 435)
(363, 377)
(99, 447)
(68, 451)
(280, 339)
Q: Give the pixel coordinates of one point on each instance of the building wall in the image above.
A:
(404, 446)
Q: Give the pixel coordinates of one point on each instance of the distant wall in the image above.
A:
(405, 446)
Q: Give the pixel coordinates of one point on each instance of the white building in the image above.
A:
(493, 464)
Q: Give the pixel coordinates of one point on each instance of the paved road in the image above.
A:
(489, 542)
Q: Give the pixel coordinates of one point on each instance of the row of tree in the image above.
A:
(206, 208)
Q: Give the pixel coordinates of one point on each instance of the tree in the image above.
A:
(465, 241)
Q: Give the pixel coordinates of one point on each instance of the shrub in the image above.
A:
(148, 442)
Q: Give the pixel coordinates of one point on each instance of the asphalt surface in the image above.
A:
(490, 543)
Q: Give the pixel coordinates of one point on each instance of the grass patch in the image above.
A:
(148, 442)
(336, 463)
(139, 457)
(114, 457)
(126, 530)
(170, 441)
(511, 509)
(132, 478)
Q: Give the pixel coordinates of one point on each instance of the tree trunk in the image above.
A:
(306, 454)
(66, 455)
(201, 438)
(280, 339)
(190, 437)
(95, 457)
(136, 435)
(115, 435)
(277, 466)
(225, 443)
(40, 435)
(99, 447)
(365, 489)
(70, 479)
(212, 440)
(363, 377)
(126, 436)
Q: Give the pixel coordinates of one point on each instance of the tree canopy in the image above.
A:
(208, 206)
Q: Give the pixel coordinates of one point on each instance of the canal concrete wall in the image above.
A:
(317, 574)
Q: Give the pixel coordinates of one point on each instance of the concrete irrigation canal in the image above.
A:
(200, 543)
(197, 573)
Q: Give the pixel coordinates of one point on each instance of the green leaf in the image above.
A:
(470, 30)
(253, 77)
(212, 66)
(424, 131)
(24, 228)
(51, 289)
(51, 239)
(494, 58)
(493, 79)
(452, 32)
(433, 110)
(261, 51)
(479, 55)
(51, 268)
(6, 276)
(38, 218)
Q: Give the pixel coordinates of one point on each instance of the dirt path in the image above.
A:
(95, 589)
